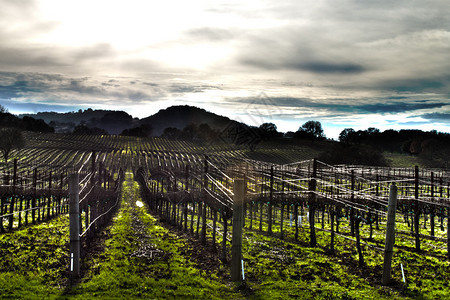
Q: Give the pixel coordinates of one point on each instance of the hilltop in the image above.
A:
(115, 122)
(181, 116)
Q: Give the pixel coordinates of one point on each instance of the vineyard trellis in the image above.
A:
(194, 191)
(198, 191)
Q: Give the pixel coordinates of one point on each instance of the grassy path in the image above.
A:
(142, 260)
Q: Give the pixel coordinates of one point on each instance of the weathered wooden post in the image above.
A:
(390, 235)
(332, 213)
(12, 199)
(358, 221)
(49, 199)
(312, 205)
(14, 176)
(74, 212)
(2, 229)
(185, 204)
(352, 199)
(432, 206)
(416, 207)
(270, 208)
(205, 186)
(224, 239)
(238, 218)
(33, 201)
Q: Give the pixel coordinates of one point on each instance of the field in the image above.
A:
(312, 231)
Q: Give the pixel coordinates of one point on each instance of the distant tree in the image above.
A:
(189, 132)
(435, 152)
(372, 131)
(171, 133)
(205, 132)
(144, 130)
(268, 131)
(10, 138)
(347, 135)
(3, 109)
(84, 130)
(36, 125)
(312, 130)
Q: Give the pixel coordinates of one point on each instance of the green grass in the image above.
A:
(34, 263)
(121, 273)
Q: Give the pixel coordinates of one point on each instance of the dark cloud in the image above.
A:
(14, 85)
(40, 57)
(295, 50)
(440, 117)
(328, 67)
(188, 88)
(46, 58)
(29, 86)
(150, 83)
(432, 83)
(111, 83)
(395, 107)
(345, 106)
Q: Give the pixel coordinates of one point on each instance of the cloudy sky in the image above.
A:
(358, 64)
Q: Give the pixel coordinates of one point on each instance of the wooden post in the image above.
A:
(390, 235)
(11, 212)
(236, 249)
(432, 206)
(49, 195)
(416, 207)
(33, 202)
(296, 218)
(270, 208)
(312, 205)
(358, 241)
(352, 200)
(205, 186)
(20, 211)
(14, 176)
(74, 211)
(203, 237)
(448, 233)
(260, 215)
(332, 213)
(199, 215)
(214, 228)
(1, 214)
(13, 197)
(185, 204)
(224, 239)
